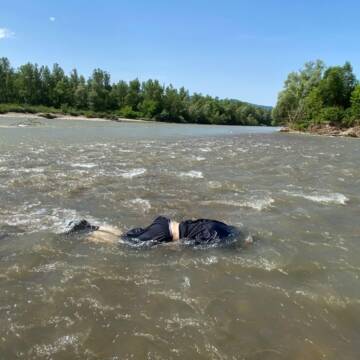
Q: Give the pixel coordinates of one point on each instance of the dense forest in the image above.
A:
(318, 95)
(33, 88)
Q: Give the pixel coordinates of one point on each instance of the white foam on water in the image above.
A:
(214, 184)
(38, 151)
(330, 198)
(192, 174)
(206, 149)
(61, 344)
(177, 322)
(259, 204)
(256, 204)
(84, 165)
(243, 150)
(125, 150)
(35, 218)
(31, 170)
(133, 173)
(328, 298)
(335, 198)
(143, 204)
(210, 260)
(49, 267)
(199, 158)
(186, 283)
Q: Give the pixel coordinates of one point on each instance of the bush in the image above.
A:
(128, 112)
(332, 115)
(89, 114)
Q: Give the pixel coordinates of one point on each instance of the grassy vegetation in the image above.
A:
(51, 112)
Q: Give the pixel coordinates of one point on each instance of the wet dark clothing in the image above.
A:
(204, 231)
(158, 231)
(200, 231)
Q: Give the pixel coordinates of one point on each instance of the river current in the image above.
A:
(293, 294)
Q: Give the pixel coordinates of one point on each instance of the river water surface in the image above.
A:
(293, 294)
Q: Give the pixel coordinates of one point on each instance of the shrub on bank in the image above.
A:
(128, 112)
(29, 109)
(332, 115)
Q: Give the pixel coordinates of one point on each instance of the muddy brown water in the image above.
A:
(293, 294)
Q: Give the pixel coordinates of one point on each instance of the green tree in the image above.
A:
(73, 85)
(173, 106)
(81, 95)
(99, 90)
(28, 84)
(118, 95)
(133, 96)
(313, 105)
(290, 107)
(7, 78)
(355, 103)
(47, 86)
(152, 95)
(337, 85)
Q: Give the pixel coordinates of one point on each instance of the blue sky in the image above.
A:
(238, 49)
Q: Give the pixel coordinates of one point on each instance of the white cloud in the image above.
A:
(52, 18)
(6, 33)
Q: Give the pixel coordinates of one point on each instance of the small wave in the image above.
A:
(214, 184)
(143, 204)
(192, 174)
(199, 158)
(259, 204)
(34, 218)
(243, 150)
(332, 198)
(206, 149)
(133, 173)
(84, 165)
(61, 344)
(256, 204)
(49, 267)
(329, 299)
(8, 126)
(31, 170)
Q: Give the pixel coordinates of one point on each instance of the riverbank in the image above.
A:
(326, 130)
(58, 116)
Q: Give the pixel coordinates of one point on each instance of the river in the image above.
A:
(293, 294)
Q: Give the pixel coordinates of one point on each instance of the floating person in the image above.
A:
(163, 230)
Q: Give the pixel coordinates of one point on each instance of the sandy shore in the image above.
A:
(64, 117)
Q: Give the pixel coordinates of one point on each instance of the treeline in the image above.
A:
(31, 85)
(318, 95)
